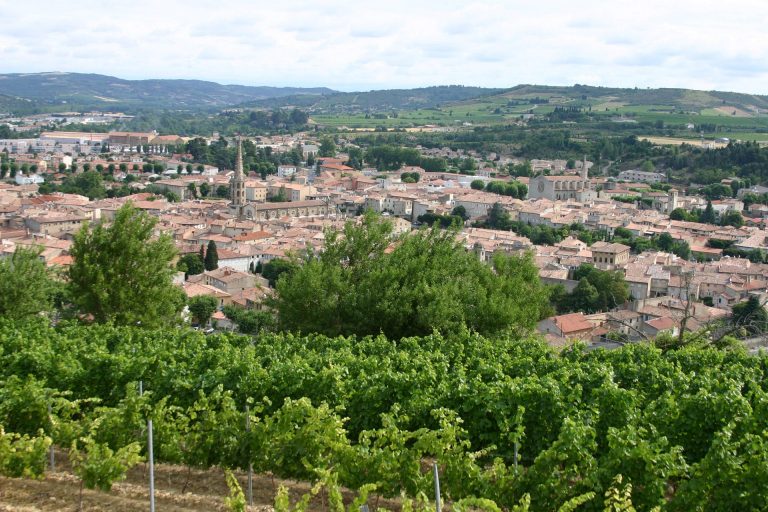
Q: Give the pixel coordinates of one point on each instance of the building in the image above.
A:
(608, 256)
(571, 326)
(267, 211)
(563, 188)
(237, 185)
(229, 280)
(642, 176)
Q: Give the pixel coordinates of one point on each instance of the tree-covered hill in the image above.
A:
(73, 90)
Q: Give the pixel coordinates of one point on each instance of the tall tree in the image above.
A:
(121, 274)
(708, 216)
(211, 256)
(327, 147)
(25, 284)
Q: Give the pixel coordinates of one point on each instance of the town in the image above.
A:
(681, 274)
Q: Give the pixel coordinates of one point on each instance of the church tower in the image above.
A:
(584, 171)
(237, 185)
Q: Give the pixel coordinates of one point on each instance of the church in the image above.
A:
(563, 188)
(242, 209)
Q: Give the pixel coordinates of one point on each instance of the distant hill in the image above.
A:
(683, 99)
(390, 99)
(49, 91)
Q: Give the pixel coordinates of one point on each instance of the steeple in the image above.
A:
(239, 163)
(237, 185)
(584, 171)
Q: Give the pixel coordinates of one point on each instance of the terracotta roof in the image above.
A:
(572, 322)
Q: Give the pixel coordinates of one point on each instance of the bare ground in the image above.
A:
(205, 491)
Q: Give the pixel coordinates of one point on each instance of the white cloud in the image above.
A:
(400, 43)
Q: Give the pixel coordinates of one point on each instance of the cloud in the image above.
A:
(401, 43)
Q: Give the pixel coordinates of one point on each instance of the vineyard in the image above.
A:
(511, 424)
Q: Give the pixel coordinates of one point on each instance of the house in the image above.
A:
(229, 279)
(571, 326)
(642, 176)
(608, 256)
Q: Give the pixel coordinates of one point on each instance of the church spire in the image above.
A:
(239, 163)
(584, 171)
(237, 185)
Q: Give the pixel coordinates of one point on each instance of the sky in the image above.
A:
(385, 44)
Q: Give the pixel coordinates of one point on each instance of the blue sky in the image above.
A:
(357, 45)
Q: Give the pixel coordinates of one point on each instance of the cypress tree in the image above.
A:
(211, 256)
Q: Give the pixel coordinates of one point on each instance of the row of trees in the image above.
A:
(504, 188)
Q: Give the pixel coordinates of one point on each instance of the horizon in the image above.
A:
(350, 47)
(321, 86)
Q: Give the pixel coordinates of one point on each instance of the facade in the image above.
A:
(609, 256)
(267, 211)
(642, 176)
(563, 188)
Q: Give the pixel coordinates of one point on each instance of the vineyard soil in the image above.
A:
(205, 491)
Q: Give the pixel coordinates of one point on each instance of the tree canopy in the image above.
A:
(121, 274)
(25, 284)
(367, 281)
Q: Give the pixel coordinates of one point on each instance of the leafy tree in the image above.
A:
(273, 269)
(732, 218)
(598, 290)
(191, 264)
(211, 256)
(708, 216)
(222, 191)
(751, 314)
(678, 214)
(202, 307)
(121, 275)
(499, 218)
(327, 147)
(428, 281)
(205, 189)
(26, 286)
(460, 211)
(477, 184)
(249, 321)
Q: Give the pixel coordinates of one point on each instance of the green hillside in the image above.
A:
(78, 90)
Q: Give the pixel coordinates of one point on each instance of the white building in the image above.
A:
(32, 179)
(642, 176)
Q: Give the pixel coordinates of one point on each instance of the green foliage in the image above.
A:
(598, 290)
(211, 256)
(410, 177)
(22, 456)
(477, 184)
(236, 500)
(273, 269)
(121, 275)
(250, 321)
(751, 315)
(684, 428)
(191, 264)
(327, 147)
(508, 188)
(202, 307)
(427, 282)
(98, 466)
(26, 286)
(732, 218)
